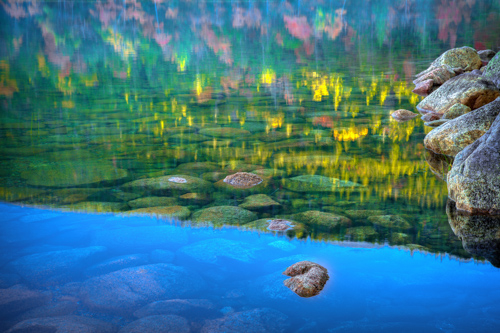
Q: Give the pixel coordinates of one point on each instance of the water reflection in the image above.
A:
(480, 234)
(97, 96)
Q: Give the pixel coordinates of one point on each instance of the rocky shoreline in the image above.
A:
(462, 103)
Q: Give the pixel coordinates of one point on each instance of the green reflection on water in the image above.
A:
(95, 96)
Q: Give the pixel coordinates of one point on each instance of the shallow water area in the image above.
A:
(120, 270)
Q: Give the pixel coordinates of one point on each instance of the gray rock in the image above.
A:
(141, 238)
(210, 251)
(492, 70)
(253, 321)
(455, 135)
(117, 263)
(64, 324)
(155, 324)
(43, 268)
(175, 307)
(467, 89)
(486, 55)
(14, 301)
(474, 179)
(436, 123)
(131, 288)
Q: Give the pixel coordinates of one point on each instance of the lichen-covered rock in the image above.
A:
(316, 183)
(456, 134)
(164, 185)
(220, 215)
(424, 88)
(307, 278)
(438, 75)
(128, 289)
(176, 212)
(259, 202)
(467, 89)
(72, 173)
(456, 111)
(318, 218)
(158, 323)
(390, 221)
(474, 179)
(225, 132)
(403, 115)
(243, 180)
(492, 70)
(251, 321)
(152, 202)
(486, 56)
(62, 324)
(464, 58)
(480, 234)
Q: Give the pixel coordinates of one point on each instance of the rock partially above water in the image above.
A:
(467, 89)
(243, 180)
(456, 111)
(307, 278)
(474, 179)
(403, 115)
(455, 135)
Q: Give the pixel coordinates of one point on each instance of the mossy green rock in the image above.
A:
(298, 229)
(456, 111)
(389, 221)
(361, 233)
(224, 132)
(98, 207)
(363, 214)
(464, 57)
(152, 202)
(399, 238)
(259, 202)
(215, 176)
(221, 215)
(197, 168)
(167, 184)
(315, 217)
(492, 70)
(72, 173)
(269, 173)
(260, 188)
(177, 212)
(317, 183)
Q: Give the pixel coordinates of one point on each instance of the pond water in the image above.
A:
(132, 113)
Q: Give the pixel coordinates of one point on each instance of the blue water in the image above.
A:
(80, 262)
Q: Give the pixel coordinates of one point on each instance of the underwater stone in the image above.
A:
(14, 301)
(117, 263)
(128, 289)
(243, 180)
(175, 307)
(390, 221)
(363, 214)
(307, 278)
(211, 250)
(178, 180)
(176, 212)
(196, 168)
(152, 202)
(280, 225)
(220, 215)
(61, 324)
(215, 176)
(160, 255)
(316, 183)
(256, 320)
(259, 202)
(163, 185)
(158, 323)
(319, 218)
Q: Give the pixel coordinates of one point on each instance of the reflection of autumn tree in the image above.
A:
(450, 14)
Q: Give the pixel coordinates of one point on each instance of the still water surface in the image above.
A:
(97, 96)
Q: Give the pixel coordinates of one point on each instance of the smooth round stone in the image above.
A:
(220, 215)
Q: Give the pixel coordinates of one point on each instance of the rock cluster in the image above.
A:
(465, 110)
(307, 278)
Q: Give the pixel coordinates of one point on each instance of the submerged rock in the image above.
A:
(158, 323)
(175, 307)
(455, 135)
(474, 179)
(152, 202)
(259, 202)
(390, 221)
(15, 301)
(176, 212)
(436, 123)
(117, 263)
(323, 219)
(220, 215)
(467, 89)
(251, 321)
(403, 115)
(361, 233)
(315, 183)
(196, 168)
(210, 251)
(130, 288)
(307, 278)
(62, 324)
(169, 184)
(363, 213)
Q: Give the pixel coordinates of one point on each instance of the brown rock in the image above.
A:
(430, 117)
(474, 179)
(438, 75)
(403, 115)
(456, 111)
(465, 58)
(424, 88)
(280, 225)
(460, 132)
(486, 56)
(467, 89)
(243, 180)
(307, 278)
